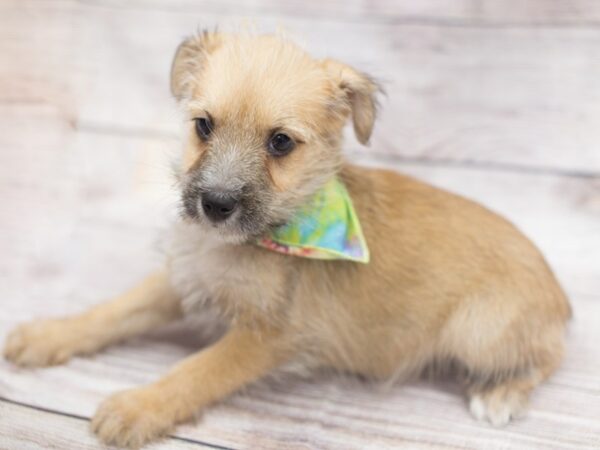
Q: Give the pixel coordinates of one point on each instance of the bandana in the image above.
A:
(324, 228)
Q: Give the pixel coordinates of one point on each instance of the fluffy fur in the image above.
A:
(449, 283)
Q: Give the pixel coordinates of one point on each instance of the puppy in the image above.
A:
(448, 281)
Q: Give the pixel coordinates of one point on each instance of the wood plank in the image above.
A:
(329, 413)
(454, 13)
(62, 206)
(26, 428)
(509, 96)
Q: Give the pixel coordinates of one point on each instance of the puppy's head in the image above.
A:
(263, 128)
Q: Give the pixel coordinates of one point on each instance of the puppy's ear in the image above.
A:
(357, 92)
(188, 61)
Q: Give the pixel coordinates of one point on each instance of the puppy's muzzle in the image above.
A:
(218, 206)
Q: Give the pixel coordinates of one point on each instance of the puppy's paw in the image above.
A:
(498, 405)
(133, 418)
(40, 343)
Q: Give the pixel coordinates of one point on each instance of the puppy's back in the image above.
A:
(451, 279)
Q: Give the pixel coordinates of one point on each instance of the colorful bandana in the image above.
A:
(324, 228)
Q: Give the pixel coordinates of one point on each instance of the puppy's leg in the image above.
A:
(500, 402)
(503, 398)
(133, 417)
(54, 341)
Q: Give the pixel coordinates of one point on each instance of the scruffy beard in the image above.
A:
(251, 220)
(228, 232)
(260, 210)
(251, 223)
(244, 226)
(227, 235)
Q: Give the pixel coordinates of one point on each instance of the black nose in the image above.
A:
(218, 206)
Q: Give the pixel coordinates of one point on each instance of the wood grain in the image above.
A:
(440, 12)
(338, 413)
(27, 428)
(524, 96)
(87, 189)
(497, 103)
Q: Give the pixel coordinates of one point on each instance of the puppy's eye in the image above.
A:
(203, 127)
(281, 144)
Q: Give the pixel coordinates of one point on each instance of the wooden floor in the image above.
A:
(499, 101)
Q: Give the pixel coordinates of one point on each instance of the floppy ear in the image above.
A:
(188, 61)
(357, 92)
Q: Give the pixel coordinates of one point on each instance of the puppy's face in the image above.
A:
(263, 128)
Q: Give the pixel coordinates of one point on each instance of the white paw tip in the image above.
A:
(499, 418)
(477, 407)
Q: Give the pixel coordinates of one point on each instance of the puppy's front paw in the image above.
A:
(40, 343)
(133, 418)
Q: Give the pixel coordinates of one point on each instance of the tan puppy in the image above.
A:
(449, 282)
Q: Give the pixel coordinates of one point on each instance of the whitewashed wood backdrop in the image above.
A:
(498, 100)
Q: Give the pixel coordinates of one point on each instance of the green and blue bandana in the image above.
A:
(325, 228)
